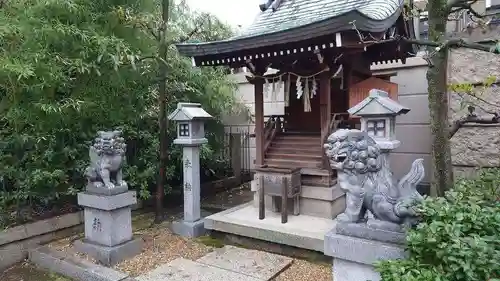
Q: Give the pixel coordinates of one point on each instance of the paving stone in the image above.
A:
(186, 270)
(258, 264)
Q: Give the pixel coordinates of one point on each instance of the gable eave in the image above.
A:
(310, 31)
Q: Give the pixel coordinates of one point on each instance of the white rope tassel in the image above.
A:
(277, 90)
(273, 92)
(298, 84)
(286, 91)
(266, 88)
(314, 88)
(307, 97)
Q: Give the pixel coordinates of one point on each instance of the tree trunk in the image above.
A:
(442, 173)
(162, 115)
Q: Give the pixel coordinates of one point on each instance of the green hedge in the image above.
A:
(458, 238)
(69, 68)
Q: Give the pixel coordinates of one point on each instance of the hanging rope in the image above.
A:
(303, 89)
(273, 77)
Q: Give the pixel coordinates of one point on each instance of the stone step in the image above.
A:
(290, 163)
(297, 143)
(315, 172)
(316, 150)
(305, 157)
(312, 180)
(298, 137)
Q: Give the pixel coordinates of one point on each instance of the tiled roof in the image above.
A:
(299, 20)
(385, 105)
(295, 13)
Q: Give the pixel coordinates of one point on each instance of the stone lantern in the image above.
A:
(378, 118)
(190, 118)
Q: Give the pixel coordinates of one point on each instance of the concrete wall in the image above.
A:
(413, 128)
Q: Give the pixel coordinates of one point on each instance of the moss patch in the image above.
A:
(211, 241)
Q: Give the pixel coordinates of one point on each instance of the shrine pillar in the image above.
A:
(325, 102)
(259, 121)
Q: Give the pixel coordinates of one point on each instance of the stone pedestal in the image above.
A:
(108, 225)
(356, 247)
(192, 225)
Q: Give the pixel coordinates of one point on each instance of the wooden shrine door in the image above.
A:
(360, 90)
(297, 120)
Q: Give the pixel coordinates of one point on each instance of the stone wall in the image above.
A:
(474, 145)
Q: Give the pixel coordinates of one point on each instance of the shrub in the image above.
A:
(69, 68)
(458, 238)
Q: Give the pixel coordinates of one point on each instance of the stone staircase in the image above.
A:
(295, 150)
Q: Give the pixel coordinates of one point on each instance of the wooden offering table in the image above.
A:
(279, 182)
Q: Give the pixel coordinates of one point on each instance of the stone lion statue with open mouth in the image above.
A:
(364, 174)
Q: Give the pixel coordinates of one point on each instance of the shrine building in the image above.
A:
(322, 51)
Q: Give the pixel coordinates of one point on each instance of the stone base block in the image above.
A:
(353, 257)
(105, 202)
(361, 250)
(91, 188)
(371, 231)
(189, 229)
(110, 256)
(328, 209)
(344, 270)
(108, 228)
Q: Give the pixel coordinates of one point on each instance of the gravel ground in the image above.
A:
(26, 272)
(302, 270)
(160, 245)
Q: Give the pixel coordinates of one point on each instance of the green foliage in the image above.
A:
(458, 238)
(69, 68)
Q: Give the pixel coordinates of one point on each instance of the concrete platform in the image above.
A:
(301, 231)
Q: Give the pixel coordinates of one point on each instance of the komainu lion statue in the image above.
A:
(107, 155)
(365, 176)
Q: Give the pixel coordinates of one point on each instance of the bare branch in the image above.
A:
(461, 5)
(190, 34)
(149, 29)
(463, 97)
(472, 118)
(450, 43)
(196, 30)
(467, 89)
(454, 43)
